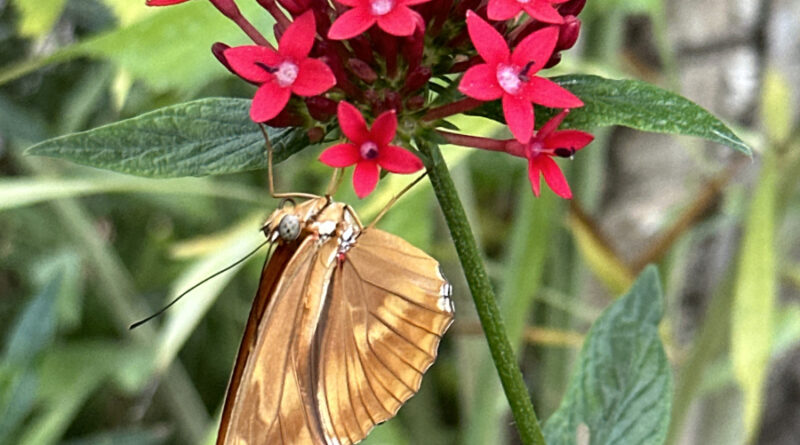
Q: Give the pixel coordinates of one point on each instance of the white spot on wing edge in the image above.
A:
(445, 302)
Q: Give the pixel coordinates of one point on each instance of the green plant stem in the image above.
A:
(484, 297)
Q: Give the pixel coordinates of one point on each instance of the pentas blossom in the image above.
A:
(510, 75)
(369, 149)
(283, 72)
(391, 59)
(393, 16)
(542, 147)
(541, 10)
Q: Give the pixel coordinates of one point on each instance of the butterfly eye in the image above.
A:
(289, 228)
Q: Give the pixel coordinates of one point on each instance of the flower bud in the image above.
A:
(571, 7)
(392, 101)
(415, 102)
(228, 8)
(568, 33)
(293, 6)
(362, 48)
(218, 49)
(286, 118)
(362, 70)
(321, 108)
(417, 79)
(315, 134)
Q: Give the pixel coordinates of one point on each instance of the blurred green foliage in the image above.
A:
(83, 253)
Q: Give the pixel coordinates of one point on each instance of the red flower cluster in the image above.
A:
(395, 60)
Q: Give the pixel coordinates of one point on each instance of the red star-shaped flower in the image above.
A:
(541, 10)
(393, 16)
(511, 75)
(369, 149)
(545, 144)
(283, 72)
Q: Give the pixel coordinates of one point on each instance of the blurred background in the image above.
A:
(83, 252)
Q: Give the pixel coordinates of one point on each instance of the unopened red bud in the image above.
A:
(374, 99)
(417, 79)
(568, 33)
(393, 101)
(321, 108)
(218, 49)
(571, 7)
(278, 30)
(362, 70)
(286, 118)
(228, 8)
(555, 59)
(413, 48)
(294, 7)
(415, 102)
(315, 134)
(362, 48)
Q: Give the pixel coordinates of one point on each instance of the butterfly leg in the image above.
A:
(270, 174)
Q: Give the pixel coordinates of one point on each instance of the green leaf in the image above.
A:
(35, 329)
(167, 47)
(776, 106)
(621, 391)
(754, 312)
(204, 137)
(37, 18)
(635, 104)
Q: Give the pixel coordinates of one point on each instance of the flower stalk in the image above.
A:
(482, 293)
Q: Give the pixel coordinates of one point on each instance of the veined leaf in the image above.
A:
(203, 137)
(634, 104)
(621, 391)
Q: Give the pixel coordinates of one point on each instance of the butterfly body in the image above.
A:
(345, 322)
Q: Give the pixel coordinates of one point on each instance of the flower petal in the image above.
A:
(533, 176)
(365, 177)
(351, 3)
(352, 122)
(490, 44)
(269, 100)
(543, 11)
(412, 2)
(550, 94)
(399, 160)
(400, 21)
(536, 48)
(298, 39)
(553, 177)
(340, 155)
(244, 61)
(518, 112)
(384, 128)
(351, 23)
(503, 9)
(314, 77)
(572, 139)
(480, 82)
(552, 125)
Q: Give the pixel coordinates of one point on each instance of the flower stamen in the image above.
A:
(381, 7)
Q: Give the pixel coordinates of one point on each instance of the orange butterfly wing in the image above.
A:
(335, 344)
(389, 307)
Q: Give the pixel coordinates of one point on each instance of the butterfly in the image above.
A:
(345, 322)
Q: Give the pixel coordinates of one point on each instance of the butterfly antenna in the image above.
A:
(394, 200)
(271, 176)
(215, 274)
